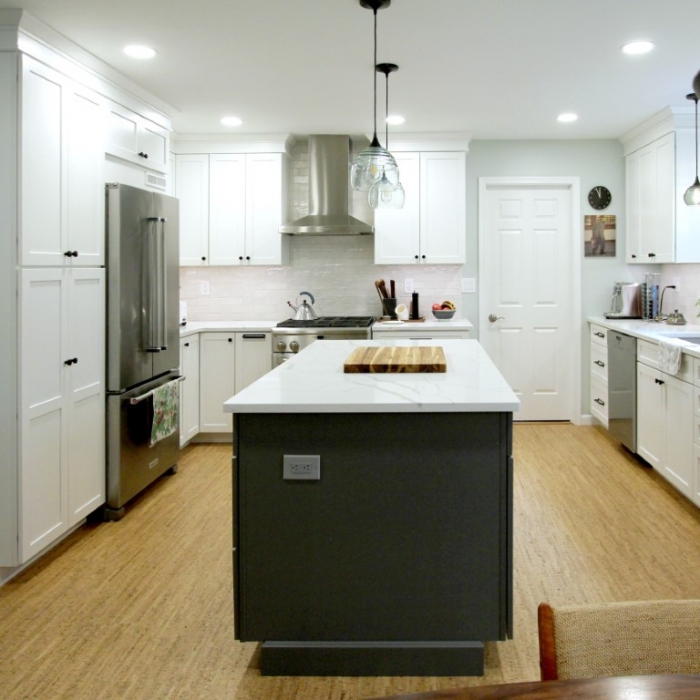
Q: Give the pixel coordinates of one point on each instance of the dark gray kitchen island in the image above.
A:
(373, 514)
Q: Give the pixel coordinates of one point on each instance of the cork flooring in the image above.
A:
(142, 608)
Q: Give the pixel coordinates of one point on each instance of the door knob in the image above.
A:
(493, 318)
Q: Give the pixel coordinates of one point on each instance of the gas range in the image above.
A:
(291, 336)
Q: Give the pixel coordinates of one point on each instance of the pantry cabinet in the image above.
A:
(62, 152)
(231, 207)
(62, 475)
(431, 227)
(659, 166)
(189, 388)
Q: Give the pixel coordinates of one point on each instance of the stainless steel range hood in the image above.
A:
(329, 186)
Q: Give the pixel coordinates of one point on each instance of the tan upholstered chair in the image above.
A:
(619, 639)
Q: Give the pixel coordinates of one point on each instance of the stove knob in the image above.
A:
(281, 345)
(294, 346)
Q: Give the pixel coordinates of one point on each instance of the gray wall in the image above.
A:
(594, 162)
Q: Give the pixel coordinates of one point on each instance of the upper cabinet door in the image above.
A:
(227, 176)
(397, 231)
(62, 192)
(42, 165)
(265, 208)
(443, 230)
(192, 189)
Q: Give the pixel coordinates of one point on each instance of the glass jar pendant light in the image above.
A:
(374, 161)
(692, 194)
(384, 193)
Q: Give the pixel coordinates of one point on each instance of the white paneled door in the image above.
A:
(526, 319)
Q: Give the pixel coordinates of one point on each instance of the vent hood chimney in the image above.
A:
(329, 186)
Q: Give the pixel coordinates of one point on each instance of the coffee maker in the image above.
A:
(626, 301)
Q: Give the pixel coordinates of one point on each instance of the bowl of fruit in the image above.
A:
(444, 311)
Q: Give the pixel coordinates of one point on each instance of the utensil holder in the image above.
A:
(389, 307)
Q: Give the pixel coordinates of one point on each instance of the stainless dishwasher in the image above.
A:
(622, 388)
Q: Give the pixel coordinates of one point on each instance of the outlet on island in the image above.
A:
(306, 467)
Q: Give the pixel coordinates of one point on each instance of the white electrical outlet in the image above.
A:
(468, 285)
(408, 286)
(204, 288)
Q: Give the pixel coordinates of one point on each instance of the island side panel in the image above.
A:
(406, 536)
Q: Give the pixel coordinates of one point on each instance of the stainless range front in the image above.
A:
(290, 336)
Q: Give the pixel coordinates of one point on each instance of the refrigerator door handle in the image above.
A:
(157, 285)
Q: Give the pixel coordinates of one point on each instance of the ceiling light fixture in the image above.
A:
(692, 194)
(567, 117)
(139, 51)
(231, 121)
(384, 193)
(374, 162)
(636, 48)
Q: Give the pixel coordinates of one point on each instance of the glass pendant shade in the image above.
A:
(386, 195)
(692, 194)
(373, 164)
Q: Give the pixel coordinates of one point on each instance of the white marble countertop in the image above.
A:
(314, 382)
(653, 331)
(455, 324)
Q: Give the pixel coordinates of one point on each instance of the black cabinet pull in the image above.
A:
(72, 361)
(187, 345)
(599, 334)
(633, 255)
(659, 381)
(599, 363)
(71, 253)
(143, 155)
(257, 336)
(652, 255)
(600, 401)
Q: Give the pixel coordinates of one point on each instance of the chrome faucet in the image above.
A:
(660, 316)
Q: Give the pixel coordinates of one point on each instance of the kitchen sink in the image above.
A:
(695, 339)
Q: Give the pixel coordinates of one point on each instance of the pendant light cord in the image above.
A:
(696, 138)
(386, 115)
(375, 76)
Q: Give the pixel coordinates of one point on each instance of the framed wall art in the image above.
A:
(599, 235)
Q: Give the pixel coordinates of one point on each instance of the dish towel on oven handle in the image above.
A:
(165, 417)
(670, 355)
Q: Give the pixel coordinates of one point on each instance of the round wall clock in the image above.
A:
(599, 197)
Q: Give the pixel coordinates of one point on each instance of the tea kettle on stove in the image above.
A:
(304, 311)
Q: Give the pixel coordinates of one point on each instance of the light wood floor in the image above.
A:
(142, 608)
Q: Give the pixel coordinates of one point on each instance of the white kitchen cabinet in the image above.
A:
(599, 373)
(136, 139)
(192, 189)
(62, 192)
(696, 432)
(217, 377)
(431, 227)
(665, 425)
(62, 402)
(253, 357)
(231, 207)
(660, 165)
(189, 388)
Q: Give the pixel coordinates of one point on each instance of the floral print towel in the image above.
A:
(670, 355)
(165, 416)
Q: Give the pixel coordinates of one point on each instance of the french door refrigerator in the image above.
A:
(143, 354)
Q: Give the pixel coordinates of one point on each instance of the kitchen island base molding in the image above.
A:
(372, 659)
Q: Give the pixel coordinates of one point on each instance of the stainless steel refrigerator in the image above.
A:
(143, 354)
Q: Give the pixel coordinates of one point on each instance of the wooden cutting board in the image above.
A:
(395, 359)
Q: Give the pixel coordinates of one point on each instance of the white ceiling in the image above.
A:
(498, 69)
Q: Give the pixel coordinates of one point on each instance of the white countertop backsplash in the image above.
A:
(314, 382)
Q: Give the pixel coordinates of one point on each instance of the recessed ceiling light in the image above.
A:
(231, 121)
(395, 119)
(567, 117)
(139, 51)
(635, 48)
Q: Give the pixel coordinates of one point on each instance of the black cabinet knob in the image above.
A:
(143, 155)
(423, 256)
(416, 257)
(230, 340)
(71, 253)
(72, 361)
(652, 255)
(203, 258)
(187, 345)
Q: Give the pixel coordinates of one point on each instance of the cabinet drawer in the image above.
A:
(599, 334)
(599, 400)
(648, 354)
(599, 362)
